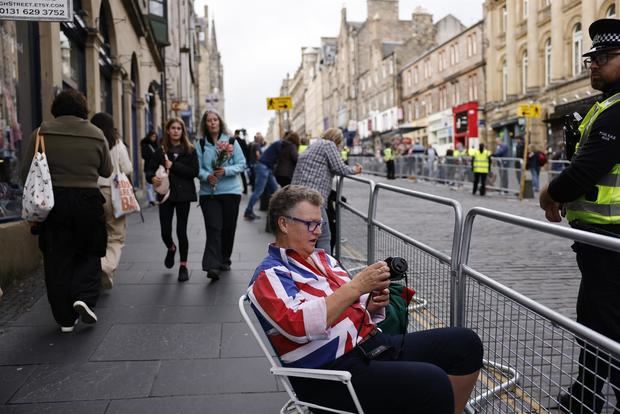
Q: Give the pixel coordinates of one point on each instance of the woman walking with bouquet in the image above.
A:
(221, 164)
(178, 156)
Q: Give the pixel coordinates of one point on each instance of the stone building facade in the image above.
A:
(440, 84)
(533, 53)
(131, 58)
(210, 70)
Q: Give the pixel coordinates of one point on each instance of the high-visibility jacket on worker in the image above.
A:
(302, 148)
(606, 208)
(481, 161)
(344, 154)
(388, 154)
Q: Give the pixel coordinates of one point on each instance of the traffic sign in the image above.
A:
(529, 110)
(279, 103)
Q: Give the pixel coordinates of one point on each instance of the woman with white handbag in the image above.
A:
(177, 158)
(73, 236)
(109, 188)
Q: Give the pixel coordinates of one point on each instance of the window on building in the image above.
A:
(524, 73)
(504, 81)
(390, 98)
(408, 78)
(470, 45)
(157, 8)
(452, 54)
(456, 93)
(611, 12)
(548, 62)
(474, 39)
(415, 75)
(416, 107)
(525, 8)
(577, 49)
(457, 55)
(504, 19)
(383, 71)
(391, 67)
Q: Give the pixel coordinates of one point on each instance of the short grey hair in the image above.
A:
(286, 198)
(334, 135)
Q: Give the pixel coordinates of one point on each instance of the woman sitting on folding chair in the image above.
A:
(316, 316)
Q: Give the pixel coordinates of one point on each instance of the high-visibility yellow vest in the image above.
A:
(456, 153)
(471, 152)
(481, 162)
(388, 154)
(302, 148)
(344, 154)
(606, 208)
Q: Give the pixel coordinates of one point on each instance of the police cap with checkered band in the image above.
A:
(605, 35)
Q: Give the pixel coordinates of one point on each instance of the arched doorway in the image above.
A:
(135, 139)
(106, 29)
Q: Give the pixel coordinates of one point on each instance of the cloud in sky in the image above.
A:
(260, 42)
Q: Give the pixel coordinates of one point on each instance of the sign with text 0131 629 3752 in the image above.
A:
(44, 10)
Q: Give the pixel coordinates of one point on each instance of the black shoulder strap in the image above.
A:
(202, 144)
(231, 140)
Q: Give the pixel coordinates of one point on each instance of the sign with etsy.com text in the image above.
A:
(40, 10)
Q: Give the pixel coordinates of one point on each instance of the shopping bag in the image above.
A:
(164, 186)
(123, 198)
(38, 197)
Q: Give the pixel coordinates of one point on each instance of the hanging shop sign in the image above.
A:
(37, 10)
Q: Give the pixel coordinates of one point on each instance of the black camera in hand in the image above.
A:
(398, 267)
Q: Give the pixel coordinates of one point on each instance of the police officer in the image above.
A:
(480, 166)
(589, 190)
(388, 157)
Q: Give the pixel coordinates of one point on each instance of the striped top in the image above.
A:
(288, 295)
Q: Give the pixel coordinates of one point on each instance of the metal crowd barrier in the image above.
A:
(539, 344)
(505, 173)
(531, 352)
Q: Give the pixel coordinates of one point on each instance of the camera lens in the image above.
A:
(398, 267)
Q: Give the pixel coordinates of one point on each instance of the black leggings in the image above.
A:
(166, 211)
(414, 380)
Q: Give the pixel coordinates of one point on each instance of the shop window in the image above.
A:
(611, 12)
(577, 49)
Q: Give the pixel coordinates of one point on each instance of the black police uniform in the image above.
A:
(598, 302)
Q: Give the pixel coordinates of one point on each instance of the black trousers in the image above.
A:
(73, 239)
(166, 212)
(390, 169)
(414, 380)
(244, 181)
(220, 214)
(598, 307)
(482, 178)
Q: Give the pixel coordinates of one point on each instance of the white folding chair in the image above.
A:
(294, 404)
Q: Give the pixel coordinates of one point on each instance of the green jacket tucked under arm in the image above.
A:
(76, 150)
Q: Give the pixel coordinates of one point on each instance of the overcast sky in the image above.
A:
(260, 42)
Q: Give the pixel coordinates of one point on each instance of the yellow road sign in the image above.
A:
(279, 103)
(529, 110)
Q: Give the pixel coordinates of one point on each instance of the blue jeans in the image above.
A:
(324, 240)
(535, 179)
(263, 177)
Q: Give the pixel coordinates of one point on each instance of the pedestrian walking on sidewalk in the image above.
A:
(589, 191)
(148, 147)
(480, 166)
(221, 163)
(116, 227)
(178, 156)
(73, 237)
(285, 167)
(263, 177)
(316, 169)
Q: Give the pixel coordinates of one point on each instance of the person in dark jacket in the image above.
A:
(73, 238)
(287, 159)
(148, 147)
(179, 157)
(240, 138)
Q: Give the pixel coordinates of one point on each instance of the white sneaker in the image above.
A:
(86, 314)
(68, 329)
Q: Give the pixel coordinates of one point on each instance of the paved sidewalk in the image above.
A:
(159, 346)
